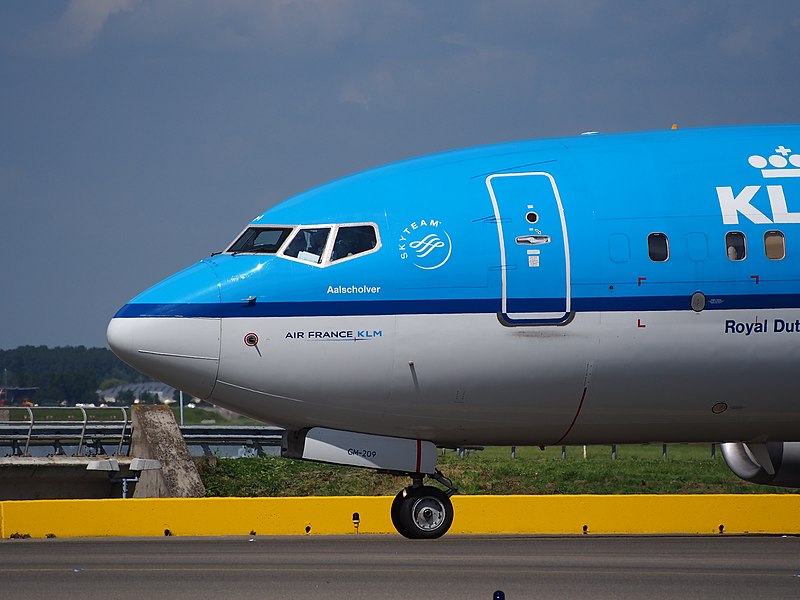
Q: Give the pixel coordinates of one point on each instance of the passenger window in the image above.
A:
(351, 241)
(658, 247)
(261, 240)
(774, 245)
(308, 244)
(736, 245)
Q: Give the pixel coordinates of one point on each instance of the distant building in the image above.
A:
(162, 391)
(16, 396)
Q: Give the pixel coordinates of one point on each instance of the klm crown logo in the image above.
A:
(749, 202)
(780, 163)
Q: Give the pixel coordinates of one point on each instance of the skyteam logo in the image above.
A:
(425, 244)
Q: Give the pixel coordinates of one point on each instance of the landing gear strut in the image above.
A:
(423, 511)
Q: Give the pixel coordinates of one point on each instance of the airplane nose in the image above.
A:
(171, 332)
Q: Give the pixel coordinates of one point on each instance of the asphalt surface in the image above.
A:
(361, 567)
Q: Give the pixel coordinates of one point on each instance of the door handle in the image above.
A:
(532, 240)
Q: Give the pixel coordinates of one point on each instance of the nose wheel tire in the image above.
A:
(422, 512)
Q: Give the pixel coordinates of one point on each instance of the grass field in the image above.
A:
(16, 414)
(638, 469)
(191, 416)
(203, 416)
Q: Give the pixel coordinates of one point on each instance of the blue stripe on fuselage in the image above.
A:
(444, 307)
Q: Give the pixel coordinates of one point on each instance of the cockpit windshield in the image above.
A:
(319, 245)
(261, 240)
(308, 244)
(353, 240)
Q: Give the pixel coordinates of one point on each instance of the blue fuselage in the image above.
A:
(595, 288)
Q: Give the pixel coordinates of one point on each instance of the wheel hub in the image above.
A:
(428, 513)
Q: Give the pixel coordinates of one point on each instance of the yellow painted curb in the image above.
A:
(640, 514)
(629, 514)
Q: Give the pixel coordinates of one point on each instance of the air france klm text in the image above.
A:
(345, 334)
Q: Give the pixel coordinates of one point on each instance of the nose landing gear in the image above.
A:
(423, 511)
(419, 511)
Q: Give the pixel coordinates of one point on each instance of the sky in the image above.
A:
(139, 136)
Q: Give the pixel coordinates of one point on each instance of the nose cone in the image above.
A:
(171, 332)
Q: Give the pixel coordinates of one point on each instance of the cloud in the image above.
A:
(377, 85)
(292, 27)
(282, 28)
(350, 93)
(77, 28)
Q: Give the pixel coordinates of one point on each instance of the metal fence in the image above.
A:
(73, 431)
(78, 431)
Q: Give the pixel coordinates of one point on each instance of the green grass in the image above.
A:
(62, 415)
(637, 470)
(191, 416)
(196, 416)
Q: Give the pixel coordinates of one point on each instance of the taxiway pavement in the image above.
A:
(361, 567)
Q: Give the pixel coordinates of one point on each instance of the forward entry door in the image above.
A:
(534, 249)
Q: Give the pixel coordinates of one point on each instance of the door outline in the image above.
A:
(547, 318)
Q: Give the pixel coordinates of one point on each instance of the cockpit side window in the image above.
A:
(353, 240)
(308, 244)
(261, 240)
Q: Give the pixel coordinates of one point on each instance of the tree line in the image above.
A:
(69, 374)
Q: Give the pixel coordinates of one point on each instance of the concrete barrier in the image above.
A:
(156, 436)
(51, 477)
(640, 514)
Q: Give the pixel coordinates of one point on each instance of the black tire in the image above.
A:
(397, 504)
(424, 513)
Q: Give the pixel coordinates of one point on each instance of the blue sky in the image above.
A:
(138, 136)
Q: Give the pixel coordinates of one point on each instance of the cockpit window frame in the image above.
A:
(325, 251)
(335, 236)
(292, 228)
(326, 255)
